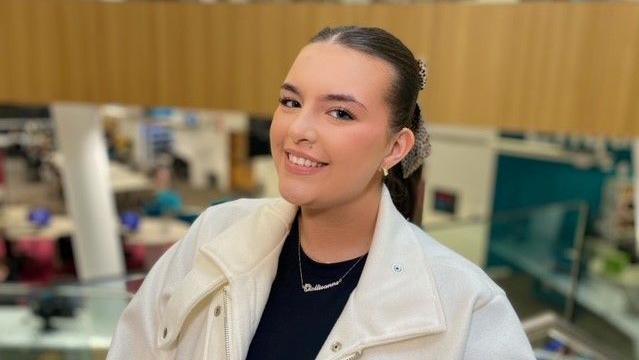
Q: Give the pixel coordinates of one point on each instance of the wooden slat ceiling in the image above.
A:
(561, 67)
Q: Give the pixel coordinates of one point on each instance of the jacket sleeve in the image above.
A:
(496, 333)
(136, 332)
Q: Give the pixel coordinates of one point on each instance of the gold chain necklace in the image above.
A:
(307, 287)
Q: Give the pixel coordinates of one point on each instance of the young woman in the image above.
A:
(332, 270)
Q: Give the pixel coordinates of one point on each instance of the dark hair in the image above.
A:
(402, 98)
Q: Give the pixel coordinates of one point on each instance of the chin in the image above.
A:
(296, 194)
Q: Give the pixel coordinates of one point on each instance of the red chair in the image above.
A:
(134, 255)
(3, 249)
(38, 257)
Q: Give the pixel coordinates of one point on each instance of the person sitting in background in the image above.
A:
(166, 201)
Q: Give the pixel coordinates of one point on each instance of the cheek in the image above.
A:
(277, 132)
(361, 149)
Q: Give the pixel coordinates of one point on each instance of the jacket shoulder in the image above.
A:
(212, 221)
(217, 218)
(453, 271)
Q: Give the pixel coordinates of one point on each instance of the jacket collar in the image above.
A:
(396, 297)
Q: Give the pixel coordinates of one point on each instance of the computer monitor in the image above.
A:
(259, 143)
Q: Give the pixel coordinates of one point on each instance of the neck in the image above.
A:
(341, 232)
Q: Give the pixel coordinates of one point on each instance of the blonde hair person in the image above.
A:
(333, 269)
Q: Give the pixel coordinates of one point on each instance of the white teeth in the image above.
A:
(303, 162)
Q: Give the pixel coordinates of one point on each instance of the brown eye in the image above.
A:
(290, 103)
(341, 114)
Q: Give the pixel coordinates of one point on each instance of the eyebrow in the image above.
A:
(328, 97)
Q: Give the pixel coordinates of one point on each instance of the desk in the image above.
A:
(153, 231)
(14, 220)
(156, 235)
(152, 238)
(122, 178)
(157, 232)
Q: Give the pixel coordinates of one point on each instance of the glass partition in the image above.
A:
(543, 261)
(66, 321)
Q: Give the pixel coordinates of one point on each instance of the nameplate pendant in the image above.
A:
(309, 288)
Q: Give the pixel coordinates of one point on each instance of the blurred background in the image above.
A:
(120, 122)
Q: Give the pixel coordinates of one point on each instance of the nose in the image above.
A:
(302, 130)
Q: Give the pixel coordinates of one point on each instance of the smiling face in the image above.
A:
(330, 133)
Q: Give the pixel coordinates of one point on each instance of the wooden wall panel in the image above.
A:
(565, 67)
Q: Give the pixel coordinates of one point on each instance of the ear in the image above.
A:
(401, 145)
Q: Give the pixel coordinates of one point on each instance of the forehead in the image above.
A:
(328, 68)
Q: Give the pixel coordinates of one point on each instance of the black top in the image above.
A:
(295, 324)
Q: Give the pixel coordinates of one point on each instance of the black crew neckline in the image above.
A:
(338, 264)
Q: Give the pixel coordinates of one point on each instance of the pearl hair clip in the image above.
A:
(423, 73)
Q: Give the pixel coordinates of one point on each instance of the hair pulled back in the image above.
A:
(402, 99)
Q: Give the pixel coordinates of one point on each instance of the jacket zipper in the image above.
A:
(227, 326)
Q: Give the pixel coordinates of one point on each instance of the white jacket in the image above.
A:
(415, 298)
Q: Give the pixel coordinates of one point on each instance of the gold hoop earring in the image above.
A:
(385, 171)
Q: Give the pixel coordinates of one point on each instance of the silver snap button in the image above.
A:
(164, 333)
(336, 346)
(397, 268)
(217, 311)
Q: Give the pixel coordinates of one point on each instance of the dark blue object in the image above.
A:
(40, 217)
(47, 305)
(445, 201)
(130, 220)
(555, 346)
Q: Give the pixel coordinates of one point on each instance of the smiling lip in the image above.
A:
(300, 169)
(302, 155)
